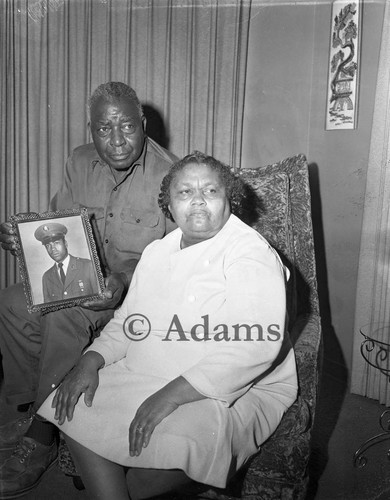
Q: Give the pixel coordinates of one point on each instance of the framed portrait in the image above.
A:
(58, 260)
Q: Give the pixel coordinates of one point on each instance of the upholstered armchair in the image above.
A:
(282, 213)
(279, 208)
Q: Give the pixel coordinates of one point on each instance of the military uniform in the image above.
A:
(80, 278)
(80, 281)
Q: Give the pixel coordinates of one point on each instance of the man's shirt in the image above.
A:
(65, 264)
(125, 215)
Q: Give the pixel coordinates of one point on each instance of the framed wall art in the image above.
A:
(344, 62)
(58, 259)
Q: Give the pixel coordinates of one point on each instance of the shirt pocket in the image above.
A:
(140, 218)
(96, 212)
(138, 229)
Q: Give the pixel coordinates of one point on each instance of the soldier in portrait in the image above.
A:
(69, 276)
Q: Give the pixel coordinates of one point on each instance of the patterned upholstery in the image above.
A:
(279, 469)
(279, 208)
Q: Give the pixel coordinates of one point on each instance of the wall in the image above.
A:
(285, 114)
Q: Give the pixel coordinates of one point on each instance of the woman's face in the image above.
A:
(198, 203)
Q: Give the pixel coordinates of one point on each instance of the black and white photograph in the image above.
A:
(195, 249)
(58, 260)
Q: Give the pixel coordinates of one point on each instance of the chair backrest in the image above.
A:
(283, 216)
(278, 205)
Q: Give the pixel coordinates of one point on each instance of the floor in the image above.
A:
(344, 421)
(341, 427)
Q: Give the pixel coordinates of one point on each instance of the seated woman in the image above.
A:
(195, 370)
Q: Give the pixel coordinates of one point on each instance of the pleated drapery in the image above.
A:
(373, 288)
(186, 60)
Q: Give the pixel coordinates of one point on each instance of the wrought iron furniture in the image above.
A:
(376, 352)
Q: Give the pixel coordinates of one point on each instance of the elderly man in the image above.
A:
(70, 276)
(117, 177)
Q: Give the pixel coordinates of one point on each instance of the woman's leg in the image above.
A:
(103, 479)
(147, 483)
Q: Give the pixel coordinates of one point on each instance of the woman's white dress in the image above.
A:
(216, 312)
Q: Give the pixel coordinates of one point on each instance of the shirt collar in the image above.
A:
(65, 263)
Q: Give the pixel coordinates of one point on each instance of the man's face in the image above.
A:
(118, 132)
(57, 249)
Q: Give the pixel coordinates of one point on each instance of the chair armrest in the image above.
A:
(306, 339)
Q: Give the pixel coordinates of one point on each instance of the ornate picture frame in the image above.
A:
(57, 258)
(344, 65)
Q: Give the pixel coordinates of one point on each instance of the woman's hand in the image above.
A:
(155, 408)
(83, 378)
(148, 416)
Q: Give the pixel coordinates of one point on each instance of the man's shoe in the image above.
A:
(24, 469)
(12, 431)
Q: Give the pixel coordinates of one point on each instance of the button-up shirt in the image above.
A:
(125, 215)
(65, 264)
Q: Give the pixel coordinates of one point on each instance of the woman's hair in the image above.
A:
(234, 186)
(114, 90)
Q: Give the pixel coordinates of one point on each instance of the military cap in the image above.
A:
(50, 231)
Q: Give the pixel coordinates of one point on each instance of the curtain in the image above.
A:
(373, 287)
(185, 59)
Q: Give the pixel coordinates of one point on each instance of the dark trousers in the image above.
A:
(38, 350)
